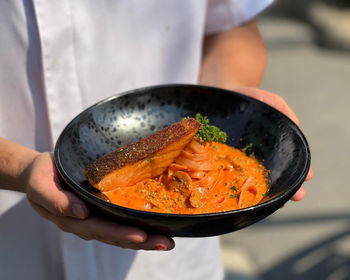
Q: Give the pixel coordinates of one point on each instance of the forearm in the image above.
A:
(233, 58)
(14, 159)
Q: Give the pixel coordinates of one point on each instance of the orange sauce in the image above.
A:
(205, 178)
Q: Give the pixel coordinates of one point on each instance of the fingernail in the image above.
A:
(136, 239)
(160, 247)
(79, 211)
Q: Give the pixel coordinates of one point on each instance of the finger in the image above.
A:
(153, 242)
(121, 235)
(158, 242)
(45, 189)
(103, 230)
(310, 174)
(148, 245)
(271, 99)
(94, 228)
(299, 195)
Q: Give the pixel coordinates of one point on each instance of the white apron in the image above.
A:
(57, 58)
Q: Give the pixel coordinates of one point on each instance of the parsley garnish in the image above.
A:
(209, 132)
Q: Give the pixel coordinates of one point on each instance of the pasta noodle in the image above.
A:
(206, 177)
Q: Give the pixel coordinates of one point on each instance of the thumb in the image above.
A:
(44, 189)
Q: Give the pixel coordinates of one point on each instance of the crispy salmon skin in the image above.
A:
(144, 159)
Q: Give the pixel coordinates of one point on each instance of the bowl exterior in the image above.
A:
(273, 138)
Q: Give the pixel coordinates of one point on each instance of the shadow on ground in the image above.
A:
(326, 259)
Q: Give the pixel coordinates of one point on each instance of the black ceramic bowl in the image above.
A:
(124, 119)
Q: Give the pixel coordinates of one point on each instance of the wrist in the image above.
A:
(14, 161)
(23, 171)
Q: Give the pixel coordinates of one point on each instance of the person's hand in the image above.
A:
(72, 215)
(278, 103)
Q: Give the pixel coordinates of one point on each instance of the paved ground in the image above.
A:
(309, 239)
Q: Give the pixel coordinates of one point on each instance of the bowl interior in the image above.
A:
(118, 121)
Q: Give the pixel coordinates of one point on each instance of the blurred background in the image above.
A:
(308, 48)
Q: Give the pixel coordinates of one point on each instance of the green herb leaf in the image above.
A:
(209, 132)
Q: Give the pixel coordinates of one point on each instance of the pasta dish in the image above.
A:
(178, 170)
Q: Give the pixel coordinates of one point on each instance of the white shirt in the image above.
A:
(59, 57)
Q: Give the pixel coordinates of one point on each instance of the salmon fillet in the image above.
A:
(142, 160)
